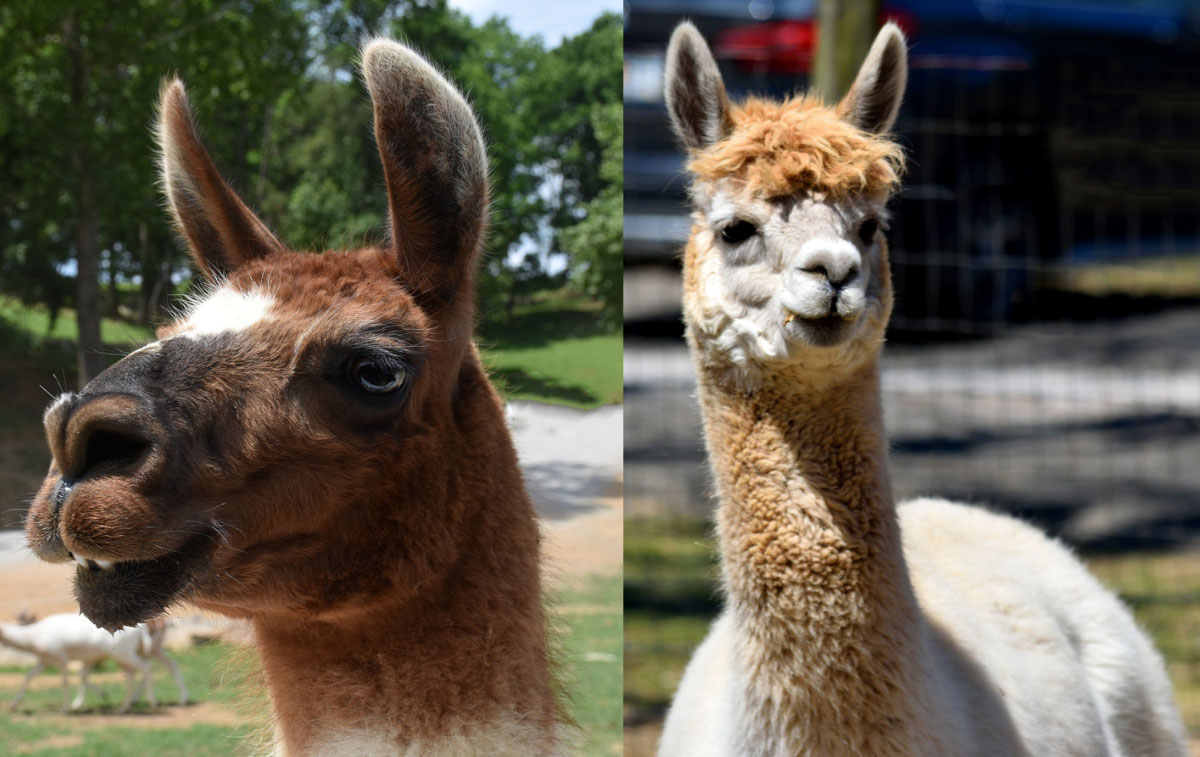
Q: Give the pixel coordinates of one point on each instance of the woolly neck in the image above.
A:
(828, 630)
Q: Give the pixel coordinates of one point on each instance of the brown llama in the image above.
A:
(853, 627)
(315, 447)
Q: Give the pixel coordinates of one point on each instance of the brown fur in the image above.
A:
(972, 635)
(799, 146)
(384, 548)
(808, 532)
(828, 632)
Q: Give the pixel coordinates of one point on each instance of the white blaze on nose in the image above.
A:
(227, 310)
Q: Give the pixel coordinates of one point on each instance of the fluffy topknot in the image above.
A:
(799, 145)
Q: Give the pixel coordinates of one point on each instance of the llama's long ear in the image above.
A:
(694, 90)
(874, 99)
(222, 233)
(435, 166)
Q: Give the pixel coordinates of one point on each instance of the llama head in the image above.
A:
(279, 447)
(787, 262)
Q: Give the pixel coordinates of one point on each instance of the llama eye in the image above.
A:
(867, 230)
(738, 232)
(375, 377)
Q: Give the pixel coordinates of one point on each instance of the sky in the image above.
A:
(553, 19)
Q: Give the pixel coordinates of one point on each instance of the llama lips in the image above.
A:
(90, 564)
(127, 593)
(825, 331)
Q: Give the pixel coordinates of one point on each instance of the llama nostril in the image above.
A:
(837, 277)
(111, 451)
(816, 270)
(847, 276)
(60, 496)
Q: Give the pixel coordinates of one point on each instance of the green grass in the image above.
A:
(590, 619)
(1164, 592)
(200, 740)
(210, 674)
(591, 657)
(555, 350)
(671, 581)
(35, 322)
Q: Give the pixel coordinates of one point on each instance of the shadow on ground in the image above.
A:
(518, 382)
(563, 490)
(539, 327)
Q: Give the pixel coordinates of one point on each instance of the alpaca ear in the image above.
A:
(874, 99)
(222, 233)
(435, 166)
(694, 90)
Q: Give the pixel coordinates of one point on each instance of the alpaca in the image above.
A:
(852, 627)
(56, 640)
(315, 446)
(153, 646)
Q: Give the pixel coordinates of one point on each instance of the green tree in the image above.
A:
(81, 78)
(275, 88)
(595, 243)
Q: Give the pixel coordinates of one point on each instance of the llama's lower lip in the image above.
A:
(133, 591)
(823, 331)
(89, 564)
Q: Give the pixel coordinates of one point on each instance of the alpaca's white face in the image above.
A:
(793, 279)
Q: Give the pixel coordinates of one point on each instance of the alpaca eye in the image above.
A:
(375, 377)
(738, 232)
(867, 230)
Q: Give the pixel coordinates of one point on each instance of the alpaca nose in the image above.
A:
(104, 435)
(835, 261)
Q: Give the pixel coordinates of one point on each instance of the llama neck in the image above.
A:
(814, 571)
(461, 668)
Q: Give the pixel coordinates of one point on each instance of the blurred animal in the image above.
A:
(56, 640)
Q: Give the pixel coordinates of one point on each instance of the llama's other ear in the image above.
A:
(435, 166)
(694, 90)
(221, 231)
(874, 99)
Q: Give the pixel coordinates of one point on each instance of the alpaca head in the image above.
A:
(278, 448)
(787, 262)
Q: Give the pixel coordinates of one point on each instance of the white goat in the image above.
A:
(58, 639)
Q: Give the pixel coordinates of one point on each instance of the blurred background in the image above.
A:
(89, 264)
(1044, 356)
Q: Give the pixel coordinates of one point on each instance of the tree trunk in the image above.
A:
(260, 190)
(87, 277)
(143, 256)
(154, 307)
(845, 30)
(114, 292)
